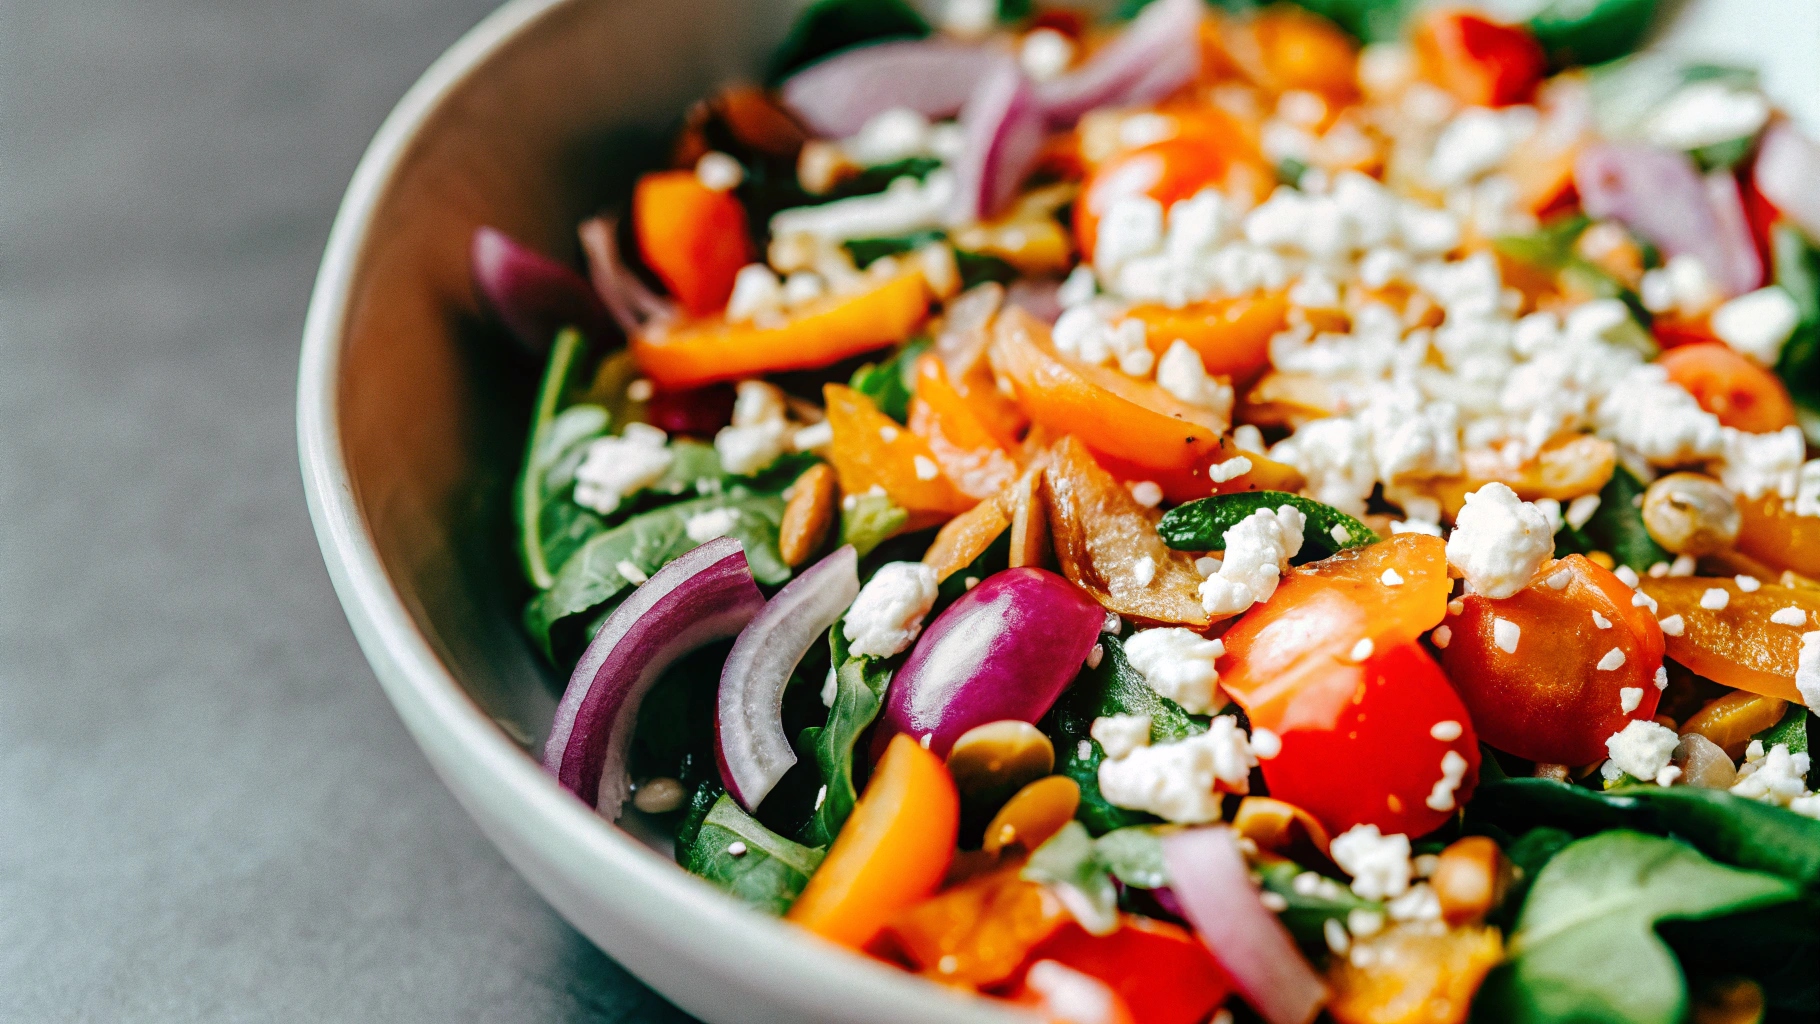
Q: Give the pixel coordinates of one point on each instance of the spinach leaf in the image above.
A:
(1528, 856)
(1067, 865)
(1113, 688)
(1791, 732)
(1134, 856)
(707, 792)
(1776, 947)
(1585, 948)
(1550, 246)
(1730, 829)
(1201, 525)
(550, 526)
(767, 872)
(976, 268)
(675, 727)
(859, 691)
(591, 577)
(1617, 527)
(868, 520)
(1580, 32)
(832, 25)
(875, 179)
(891, 383)
(1797, 270)
(1309, 907)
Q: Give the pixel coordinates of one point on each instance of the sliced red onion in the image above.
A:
(1158, 53)
(934, 77)
(707, 594)
(1660, 195)
(1788, 175)
(535, 295)
(1214, 889)
(632, 304)
(1004, 129)
(1005, 650)
(749, 738)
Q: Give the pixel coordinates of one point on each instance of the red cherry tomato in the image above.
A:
(1552, 700)
(1731, 387)
(1481, 62)
(1162, 972)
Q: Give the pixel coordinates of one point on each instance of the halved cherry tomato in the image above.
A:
(1481, 62)
(1770, 531)
(963, 441)
(1673, 331)
(978, 933)
(1737, 645)
(693, 237)
(1167, 172)
(891, 853)
(1301, 50)
(871, 450)
(1131, 419)
(1062, 995)
(1164, 974)
(696, 352)
(1731, 387)
(1231, 335)
(1552, 700)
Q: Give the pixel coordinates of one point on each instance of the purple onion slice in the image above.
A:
(534, 295)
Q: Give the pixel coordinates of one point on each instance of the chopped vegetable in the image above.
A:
(1202, 525)
(757, 866)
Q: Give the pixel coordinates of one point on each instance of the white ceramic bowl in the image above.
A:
(408, 442)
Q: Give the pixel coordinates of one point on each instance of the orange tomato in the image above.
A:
(977, 933)
(1301, 50)
(1771, 532)
(1737, 645)
(1162, 972)
(963, 440)
(1232, 336)
(870, 450)
(1481, 62)
(1130, 419)
(1550, 701)
(693, 237)
(695, 352)
(1167, 171)
(891, 853)
(1731, 387)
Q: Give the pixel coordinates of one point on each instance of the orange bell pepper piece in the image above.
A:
(693, 237)
(979, 932)
(1731, 387)
(870, 450)
(1481, 62)
(1733, 719)
(964, 442)
(891, 853)
(695, 352)
(1162, 972)
(1127, 418)
(1737, 645)
(1231, 335)
(1770, 531)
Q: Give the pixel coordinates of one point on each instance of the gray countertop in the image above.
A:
(207, 809)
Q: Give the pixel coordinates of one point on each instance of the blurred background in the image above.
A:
(208, 811)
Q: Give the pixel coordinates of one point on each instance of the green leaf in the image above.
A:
(1791, 731)
(1114, 688)
(1723, 156)
(1585, 948)
(1617, 527)
(1580, 32)
(868, 520)
(1134, 856)
(1068, 865)
(1013, 10)
(1797, 270)
(829, 26)
(1372, 21)
(702, 799)
(676, 719)
(1730, 829)
(891, 383)
(1550, 246)
(767, 873)
(1201, 525)
(1307, 913)
(859, 691)
(550, 526)
(871, 181)
(591, 577)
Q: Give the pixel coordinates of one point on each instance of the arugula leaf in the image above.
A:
(1201, 525)
(1585, 948)
(1550, 246)
(591, 577)
(1616, 528)
(890, 384)
(1730, 829)
(1580, 32)
(868, 520)
(550, 527)
(859, 691)
(767, 874)
(1307, 913)
(1066, 863)
(1111, 689)
(832, 25)
(1797, 270)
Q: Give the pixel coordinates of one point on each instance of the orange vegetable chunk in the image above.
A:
(1771, 532)
(1481, 62)
(1162, 972)
(961, 436)
(693, 237)
(1731, 387)
(978, 933)
(871, 450)
(1232, 336)
(1737, 645)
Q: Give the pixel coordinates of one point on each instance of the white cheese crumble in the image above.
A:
(1707, 113)
(1453, 772)
(632, 574)
(1265, 744)
(1778, 777)
(1391, 578)
(1715, 599)
(925, 467)
(718, 171)
(1747, 584)
(1629, 698)
(760, 431)
(1179, 664)
(1581, 509)
(1674, 625)
(1477, 141)
(1442, 636)
(1613, 660)
(1089, 333)
(891, 135)
(756, 291)
(1176, 781)
(1182, 374)
(1759, 464)
(1119, 735)
(1045, 54)
(1446, 730)
(905, 206)
(1499, 541)
(1143, 570)
(1793, 615)
(888, 615)
(1361, 651)
(1600, 621)
(1258, 549)
(1147, 493)
(1231, 469)
(1807, 670)
(1807, 489)
(1641, 749)
(1378, 863)
(1758, 324)
(615, 468)
(705, 526)
(1505, 634)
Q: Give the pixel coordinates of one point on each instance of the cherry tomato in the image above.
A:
(692, 237)
(1167, 172)
(1164, 974)
(1731, 387)
(1553, 699)
(1481, 62)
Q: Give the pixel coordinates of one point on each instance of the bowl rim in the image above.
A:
(424, 691)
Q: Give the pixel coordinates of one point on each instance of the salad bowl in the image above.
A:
(409, 415)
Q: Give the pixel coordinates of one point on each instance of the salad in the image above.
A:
(1212, 512)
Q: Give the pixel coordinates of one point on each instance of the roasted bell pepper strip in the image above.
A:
(870, 450)
(692, 236)
(977, 933)
(961, 437)
(1736, 645)
(1773, 533)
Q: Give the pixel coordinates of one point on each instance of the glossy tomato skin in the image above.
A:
(1365, 743)
(1161, 970)
(1480, 61)
(1549, 701)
